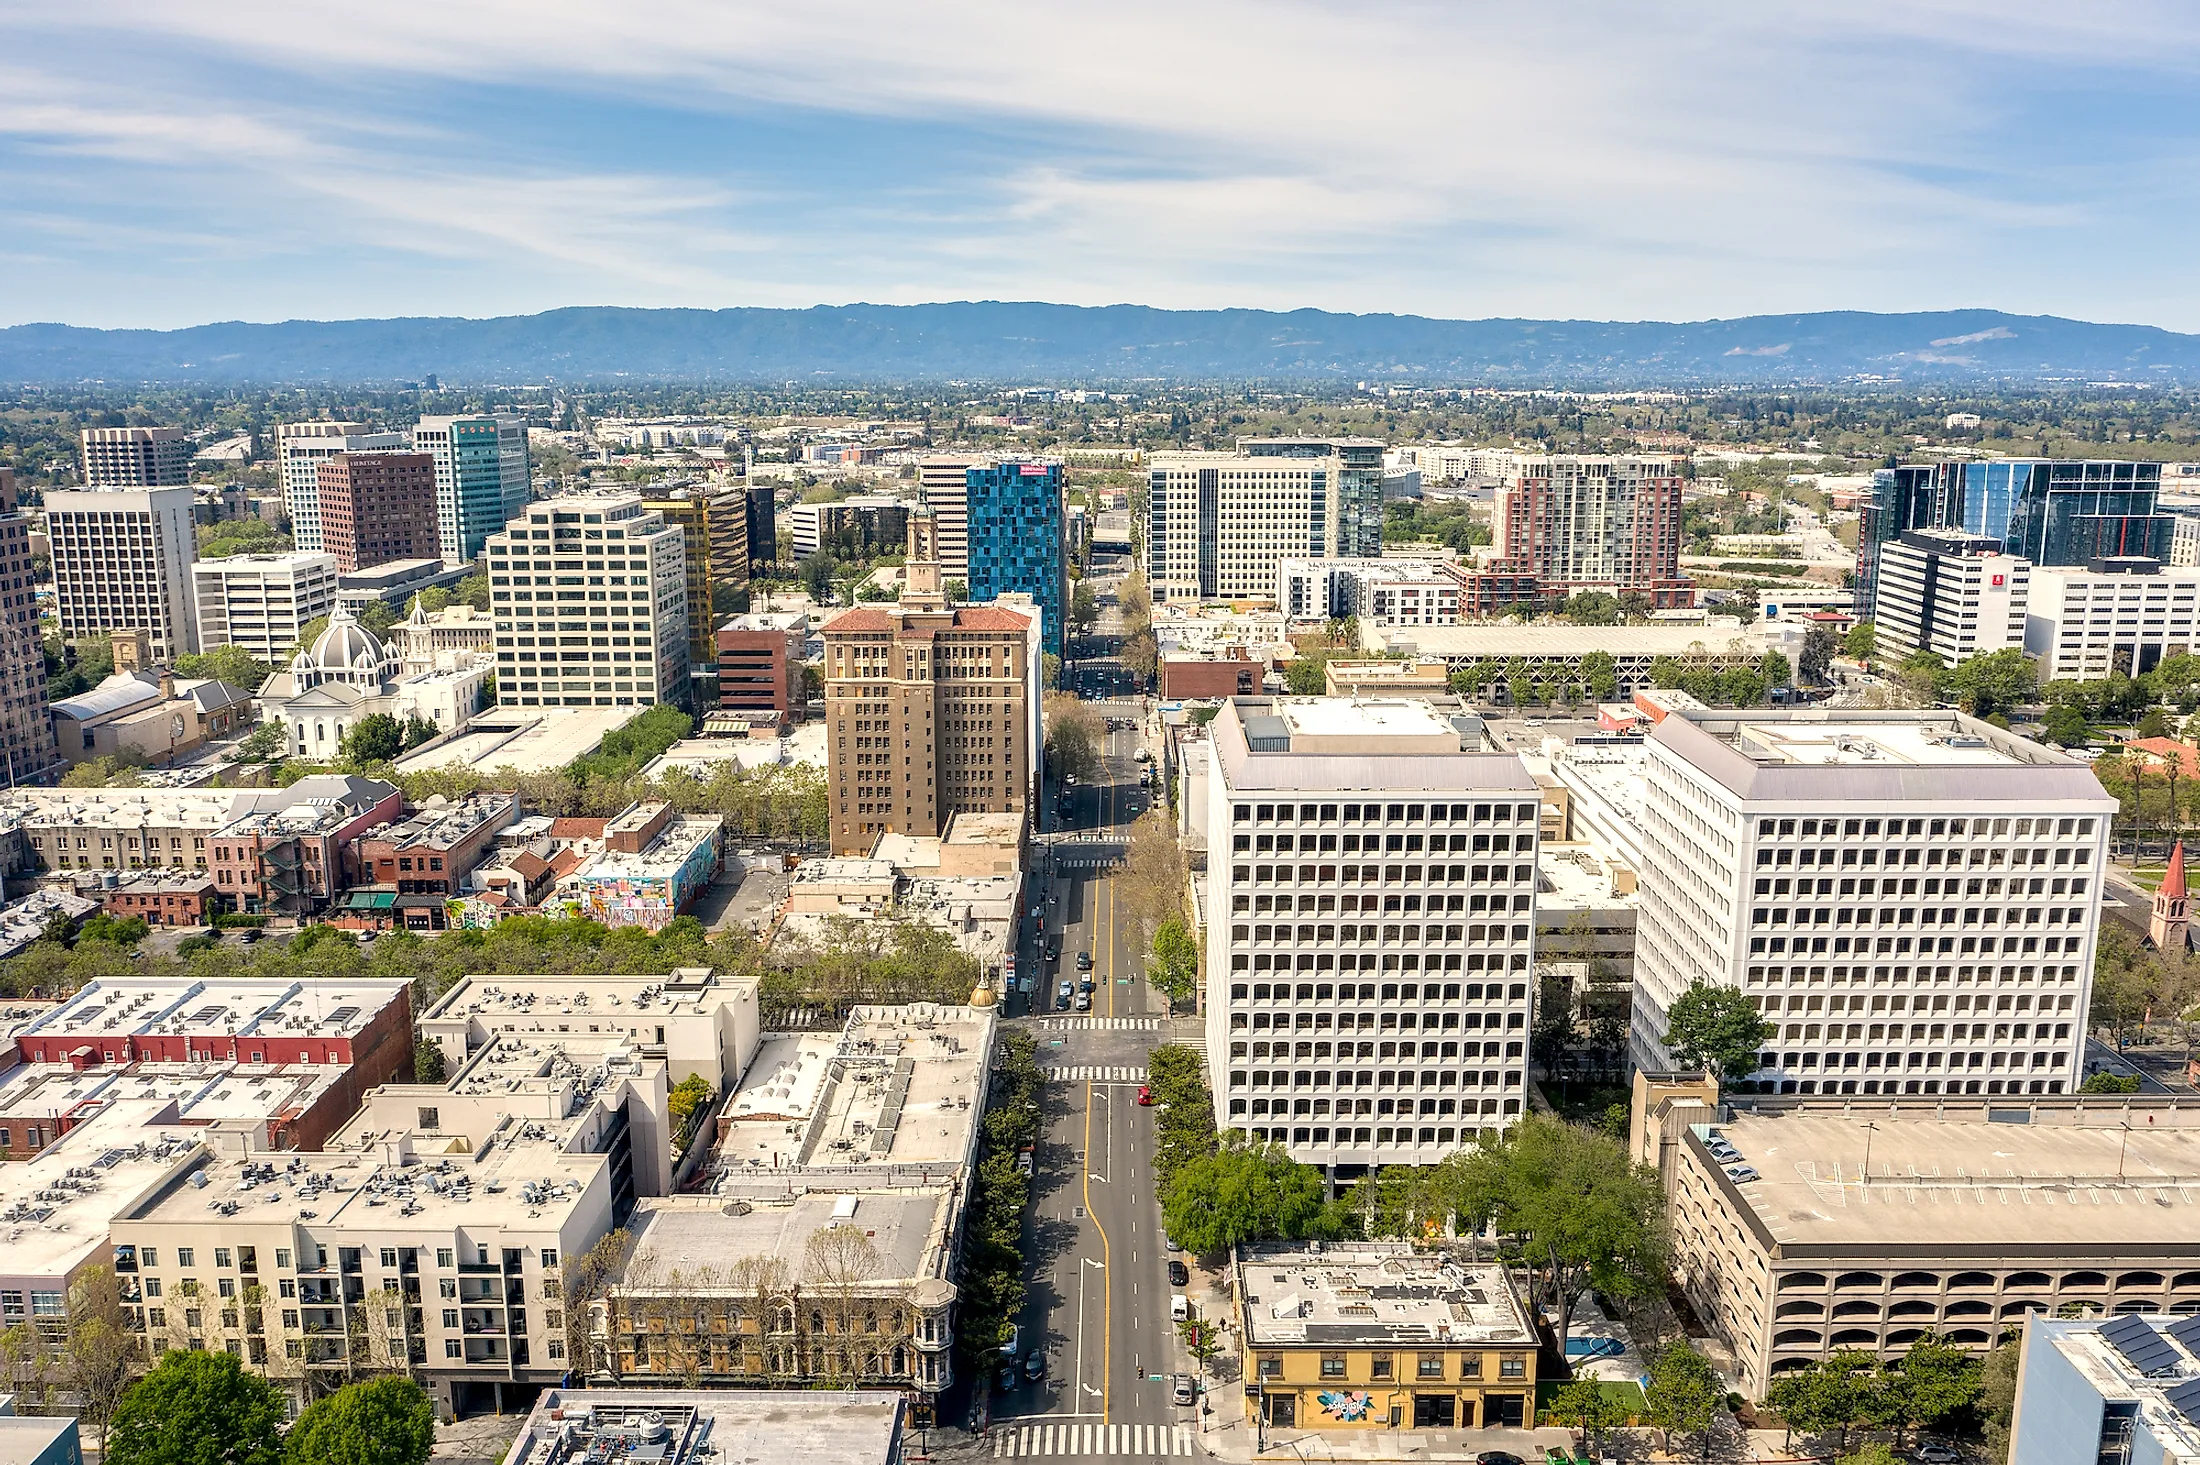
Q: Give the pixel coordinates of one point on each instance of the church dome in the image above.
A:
(346, 652)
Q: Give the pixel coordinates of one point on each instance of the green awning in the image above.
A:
(370, 900)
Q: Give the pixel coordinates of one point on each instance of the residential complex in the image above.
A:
(715, 526)
(122, 562)
(1594, 523)
(377, 507)
(1371, 1013)
(480, 478)
(857, 528)
(1954, 595)
(1382, 1335)
(614, 630)
(300, 449)
(946, 485)
(1220, 523)
(1911, 898)
(1014, 529)
(1382, 592)
(931, 709)
(2111, 617)
(262, 603)
(136, 457)
(27, 751)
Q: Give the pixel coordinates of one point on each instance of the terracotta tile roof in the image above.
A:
(566, 861)
(572, 828)
(2161, 750)
(991, 618)
(528, 866)
(860, 620)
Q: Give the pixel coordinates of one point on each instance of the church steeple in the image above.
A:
(2169, 924)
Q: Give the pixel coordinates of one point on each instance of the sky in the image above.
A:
(166, 163)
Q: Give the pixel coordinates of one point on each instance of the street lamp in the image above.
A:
(1869, 1130)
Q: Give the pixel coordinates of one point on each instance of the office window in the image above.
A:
(186, 1256)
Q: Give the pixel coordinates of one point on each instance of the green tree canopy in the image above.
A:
(1248, 1190)
(1997, 681)
(384, 1421)
(1862, 641)
(1683, 1395)
(230, 663)
(1175, 963)
(376, 738)
(198, 1408)
(2066, 727)
(1717, 1029)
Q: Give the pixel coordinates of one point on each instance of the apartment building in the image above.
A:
(1840, 1229)
(610, 627)
(1383, 592)
(27, 748)
(1374, 1013)
(377, 507)
(136, 457)
(143, 828)
(699, 1022)
(122, 562)
(930, 709)
(2111, 617)
(945, 482)
(1453, 1347)
(1014, 529)
(480, 478)
(2095, 1388)
(300, 449)
(262, 603)
(1912, 898)
(1954, 595)
(1220, 523)
(1593, 522)
(715, 526)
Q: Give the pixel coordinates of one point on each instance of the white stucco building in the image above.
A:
(348, 674)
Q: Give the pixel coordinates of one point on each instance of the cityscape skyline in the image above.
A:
(708, 158)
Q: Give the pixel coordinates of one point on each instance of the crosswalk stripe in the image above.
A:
(1035, 1440)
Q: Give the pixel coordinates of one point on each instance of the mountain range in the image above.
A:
(998, 341)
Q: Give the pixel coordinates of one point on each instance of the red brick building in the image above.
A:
(377, 507)
(1199, 678)
(408, 872)
(163, 899)
(294, 861)
(759, 664)
(1586, 522)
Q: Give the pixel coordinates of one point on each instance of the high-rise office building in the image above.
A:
(480, 477)
(1014, 527)
(377, 507)
(611, 628)
(1602, 523)
(763, 528)
(716, 525)
(301, 447)
(1952, 595)
(261, 603)
(26, 737)
(929, 708)
(1220, 522)
(1371, 885)
(1910, 898)
(2108, 618)
(945, 481)
(2050, 512)
(122, 562)
(136, 457)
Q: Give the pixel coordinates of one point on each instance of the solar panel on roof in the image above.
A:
(2185, 1399)
(2186, 1330)
(2141, 1347)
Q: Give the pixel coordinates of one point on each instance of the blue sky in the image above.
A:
(164, 163)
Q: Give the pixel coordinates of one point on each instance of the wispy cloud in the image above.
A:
(259, 159)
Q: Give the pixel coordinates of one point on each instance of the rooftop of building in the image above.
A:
(970, 828)
(203, 1093)
(2152, 1361)
(1502, 640)
(288, 562)
(1963, 1184)
(673, 846)
(525, 739)
(1335, 744)
(121, 692)
(898, 1088)
(1376, 1292)
(493, 1000)
(24, 921)
(56, 1208)
(1574, 877)
(1858, 755)
(232, 1007)
(700, 1237)
(26, 1439)
(442, 822)
(804, 745)
(733, 1426)
(781, 621)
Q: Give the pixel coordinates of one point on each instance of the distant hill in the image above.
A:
(999, 341)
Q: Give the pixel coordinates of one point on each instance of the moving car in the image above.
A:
(1084, 1002)
(1179, 1274)
(1180, 1388)
(1086, 985)
(1007, 1380)
(1084, 961)
(1145, 1094)
(1061, 999)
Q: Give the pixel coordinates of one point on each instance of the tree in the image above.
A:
(1248, 1190)
(1084, 605)
(1582, 1404)
(1602, 674)
(264, 743)
(428, 1064)
(1582, 1213)
(1201, 1338)
(1816, 660)
(1683, 1395)
(1140, 654)
(1998, 1397)
(1861, 643)
(1073, 737)
(198, 1408)
(1774, 668)
(817, 572)
(100, 1353)
(473, 591)
(384, 1421)
(2105, 1082)
(1174, 966)
(2154, 723)
(229, 663)
(1997, 681)
(1872, 1452)
(1936, 1384)
(1717, 1029)
(1829, 1394)
(687, 1099)
(376, 738)
(1050, 671)
(2066, 727)
(956, 591)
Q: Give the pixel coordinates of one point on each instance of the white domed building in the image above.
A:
(347, 674)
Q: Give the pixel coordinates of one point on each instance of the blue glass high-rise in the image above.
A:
(1015, 534)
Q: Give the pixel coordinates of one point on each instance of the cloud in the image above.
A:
(1446, 158)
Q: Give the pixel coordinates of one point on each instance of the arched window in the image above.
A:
(901, 1362)
(817, 1321)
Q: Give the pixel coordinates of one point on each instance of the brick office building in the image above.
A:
(377, 507)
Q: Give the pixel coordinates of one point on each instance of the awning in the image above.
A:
(370, 900)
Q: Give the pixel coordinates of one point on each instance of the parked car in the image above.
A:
(1180, 1307)
(1179, 1274)
(1084, 1002)
(1741, 1174)
(1933, 1452)
(1061, 1001)
(1086, 985)
(1498, 1457)
(1007, 1380)
(1180, 1388)
(1168, 1242)
(1015, 1343)
(1035, 1365)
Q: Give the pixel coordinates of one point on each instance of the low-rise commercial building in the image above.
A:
(1386, 678)
(652, 867)
(1558, 656)
(1227, 671)
(700, 1427)
(1382, 1335)
(294, 859)
(132, 828)
(160, 898)
(147, 717)
(408, 872)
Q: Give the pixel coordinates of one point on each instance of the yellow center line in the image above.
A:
(1107, 1271)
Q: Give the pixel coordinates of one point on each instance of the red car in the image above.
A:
(1145, 1094)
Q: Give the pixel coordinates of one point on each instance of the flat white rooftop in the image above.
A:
(529, 739)
(1337, 717)
(1863, 743)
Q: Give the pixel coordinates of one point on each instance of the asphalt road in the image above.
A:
(1098, 1284)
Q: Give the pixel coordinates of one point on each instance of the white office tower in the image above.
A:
(1370, 904)
(122, 562)
(300, 449)
(1952, 594)
(589, 595)
(1220, 523)
(1911, 898)
(2111, 617)
(262, 603)
(480, 477)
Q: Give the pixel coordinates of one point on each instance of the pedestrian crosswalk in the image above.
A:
(1097, 1073)
(1024, 1441)
(1106, 1024)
